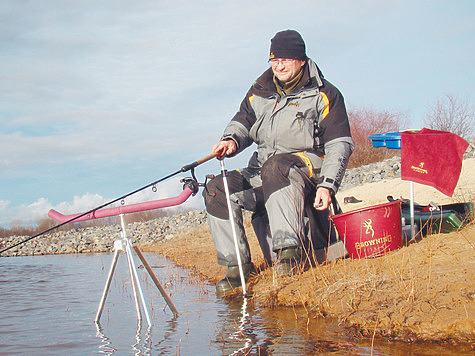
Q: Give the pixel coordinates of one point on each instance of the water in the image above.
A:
(48, 305)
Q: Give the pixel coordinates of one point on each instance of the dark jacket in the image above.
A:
(312, 120)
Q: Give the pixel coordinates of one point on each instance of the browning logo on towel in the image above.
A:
(432, 157)
(420, 168)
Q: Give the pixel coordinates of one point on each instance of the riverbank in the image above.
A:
(424, 292)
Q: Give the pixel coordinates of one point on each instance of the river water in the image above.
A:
(48, 305)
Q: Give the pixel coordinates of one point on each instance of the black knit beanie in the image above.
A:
(287, 44)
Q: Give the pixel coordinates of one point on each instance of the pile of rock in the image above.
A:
(390, 168)
(101, 238)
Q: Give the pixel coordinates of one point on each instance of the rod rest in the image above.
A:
(188, 190)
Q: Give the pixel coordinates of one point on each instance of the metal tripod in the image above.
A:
(124, 245)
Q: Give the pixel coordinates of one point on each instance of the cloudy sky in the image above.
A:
(99, 98)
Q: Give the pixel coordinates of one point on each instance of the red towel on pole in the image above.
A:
(433, 158)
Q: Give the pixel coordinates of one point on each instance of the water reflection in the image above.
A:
(242, 332)
(106, 346)
(142, 345)
(169, 333)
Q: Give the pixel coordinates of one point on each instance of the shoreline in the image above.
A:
(424, 292)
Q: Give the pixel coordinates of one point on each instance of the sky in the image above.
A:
(100, 98)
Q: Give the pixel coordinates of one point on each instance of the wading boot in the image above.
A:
(232, 279)
(288, 261)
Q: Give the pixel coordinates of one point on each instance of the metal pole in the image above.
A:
(155, 280)
(133, 274)
(233, 227)
(413, 227)
(139, 287)
(107, 286)
(129, 264)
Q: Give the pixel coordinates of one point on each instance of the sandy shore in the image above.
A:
(421, 292)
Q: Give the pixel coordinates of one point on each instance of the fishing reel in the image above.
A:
(193, 184)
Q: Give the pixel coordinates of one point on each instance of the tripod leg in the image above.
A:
(134, 280)
(107, 286)
(156, 281)
(134, 271)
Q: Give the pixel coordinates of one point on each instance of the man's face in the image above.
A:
(286, 69)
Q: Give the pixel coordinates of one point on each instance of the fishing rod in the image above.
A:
(185, 168)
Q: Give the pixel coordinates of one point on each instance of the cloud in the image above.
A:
(22, 215)
(120, 83)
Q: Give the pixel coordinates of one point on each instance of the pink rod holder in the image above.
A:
(124, 209)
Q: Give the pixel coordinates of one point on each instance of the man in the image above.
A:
(296, 118)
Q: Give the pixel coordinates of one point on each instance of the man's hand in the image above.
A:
(224, 148)
(323, 199)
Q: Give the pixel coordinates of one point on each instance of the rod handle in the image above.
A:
(198, 162)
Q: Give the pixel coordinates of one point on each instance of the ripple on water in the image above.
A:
(49, 304)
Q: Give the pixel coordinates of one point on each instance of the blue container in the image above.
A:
(391, 140)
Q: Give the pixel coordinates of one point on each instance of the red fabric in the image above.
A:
(433, 158)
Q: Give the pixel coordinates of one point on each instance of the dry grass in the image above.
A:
(422, 291)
